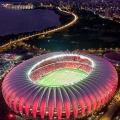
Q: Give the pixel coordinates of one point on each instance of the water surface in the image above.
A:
(19, 21)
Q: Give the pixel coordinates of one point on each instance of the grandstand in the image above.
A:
(72, 64)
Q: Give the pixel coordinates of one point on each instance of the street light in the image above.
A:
(10, 116)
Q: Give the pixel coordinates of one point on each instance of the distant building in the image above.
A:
(108, 13)
(19, 6)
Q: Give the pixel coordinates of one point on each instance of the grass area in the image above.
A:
(62, 77)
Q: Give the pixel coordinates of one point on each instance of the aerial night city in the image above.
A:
(59, 59)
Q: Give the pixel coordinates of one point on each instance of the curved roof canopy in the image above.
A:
(24, 95)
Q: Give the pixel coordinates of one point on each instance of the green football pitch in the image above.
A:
(62, 77)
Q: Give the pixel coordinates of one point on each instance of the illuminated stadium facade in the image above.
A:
(60, 85)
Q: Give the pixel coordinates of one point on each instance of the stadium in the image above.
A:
(113, 57)
(61, 85)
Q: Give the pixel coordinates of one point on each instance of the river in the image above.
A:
(19, 21)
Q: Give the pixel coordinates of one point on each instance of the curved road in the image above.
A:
(47, 32)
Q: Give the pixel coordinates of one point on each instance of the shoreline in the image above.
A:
(40, 33)
(37, 23)
(47, 28)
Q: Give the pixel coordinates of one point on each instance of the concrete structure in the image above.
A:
(113, 57)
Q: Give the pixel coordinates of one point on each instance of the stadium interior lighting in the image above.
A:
(68, 83)
(56, 56)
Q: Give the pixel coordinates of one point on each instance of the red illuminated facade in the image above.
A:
(78, 99)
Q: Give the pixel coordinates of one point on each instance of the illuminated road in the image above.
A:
(108, 115)
(46, 32)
